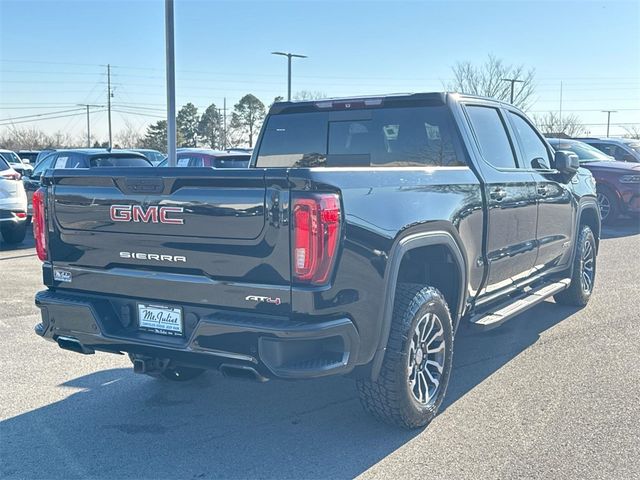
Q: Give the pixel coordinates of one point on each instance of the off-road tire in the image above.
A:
(389, 397)
(14, 233)
(576, 295)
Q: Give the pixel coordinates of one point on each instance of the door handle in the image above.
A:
(498, 194)
(543, 190)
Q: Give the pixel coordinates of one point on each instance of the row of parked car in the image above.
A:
(614, 163)
(21, 174)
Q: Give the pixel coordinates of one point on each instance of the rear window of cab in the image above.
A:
(391, 137)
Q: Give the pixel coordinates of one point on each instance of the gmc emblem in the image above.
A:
(137, 213)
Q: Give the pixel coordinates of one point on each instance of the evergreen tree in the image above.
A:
(187, 121)
(210, 127)
(247, 117)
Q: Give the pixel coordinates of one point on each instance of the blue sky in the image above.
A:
(53, 53)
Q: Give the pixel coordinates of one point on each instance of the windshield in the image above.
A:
(111, 161)
(586, 153)
(634, 146)
(11, 157)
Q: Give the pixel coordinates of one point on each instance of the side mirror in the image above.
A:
(540, 163)
(566, 162)
(627, 157)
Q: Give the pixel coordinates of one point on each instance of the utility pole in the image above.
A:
(109, 95)
(609, 112)
(289, 56)
(513, 81)
(171, 83)
(561, 104)
(88, 121)
(223, 110)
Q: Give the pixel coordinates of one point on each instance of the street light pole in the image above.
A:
(289, 57)
(513, 81)
(609, 112)
(171, 83)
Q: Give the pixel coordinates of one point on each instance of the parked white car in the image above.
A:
(13, 205)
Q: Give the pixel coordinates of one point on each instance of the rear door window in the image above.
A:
(492, 136)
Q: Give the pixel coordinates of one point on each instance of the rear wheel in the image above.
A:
(608, 203)
(584, 271)
(415, 371)
(14, 233)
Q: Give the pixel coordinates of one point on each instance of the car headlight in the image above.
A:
(630, 179)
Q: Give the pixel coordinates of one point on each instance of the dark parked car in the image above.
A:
(154, 156)
(21, 166)
(29, 155)
(44, 153)
(419, 212)
(622, 149)
(203, 157)
(618, 183)
(79, 158)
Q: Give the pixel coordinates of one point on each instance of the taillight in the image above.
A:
(40, 224)
(11, 175)
(316, 233)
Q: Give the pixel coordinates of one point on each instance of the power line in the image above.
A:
(42, 119)
(38, 115)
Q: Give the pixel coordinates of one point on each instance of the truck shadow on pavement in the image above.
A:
(121, 425)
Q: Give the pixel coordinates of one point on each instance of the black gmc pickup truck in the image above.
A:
(364, 231)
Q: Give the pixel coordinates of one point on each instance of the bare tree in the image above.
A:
(487, 80)
(551, 124)
(633, 131)
(26, 138)
(129, 136)
(309, 95)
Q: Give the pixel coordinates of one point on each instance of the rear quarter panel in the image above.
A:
(380, 206)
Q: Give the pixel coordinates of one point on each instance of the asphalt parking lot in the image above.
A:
(555, 393)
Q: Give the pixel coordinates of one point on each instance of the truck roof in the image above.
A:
(437, 98)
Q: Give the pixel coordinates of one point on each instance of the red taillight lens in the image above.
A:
(40, 224)
(316, 232)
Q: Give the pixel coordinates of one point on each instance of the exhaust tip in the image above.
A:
(243, 372)
(74, 345)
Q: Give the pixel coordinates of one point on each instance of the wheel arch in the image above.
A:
(589, 214)
(420, 242)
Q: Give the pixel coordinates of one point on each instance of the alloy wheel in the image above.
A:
(426, 358)
(605, 205)
(588, 266)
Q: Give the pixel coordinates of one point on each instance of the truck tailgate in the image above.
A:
(197, 235)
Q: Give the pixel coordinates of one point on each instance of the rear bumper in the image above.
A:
(11, 215)
(273, 346)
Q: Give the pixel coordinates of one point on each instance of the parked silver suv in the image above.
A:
(13, 205)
